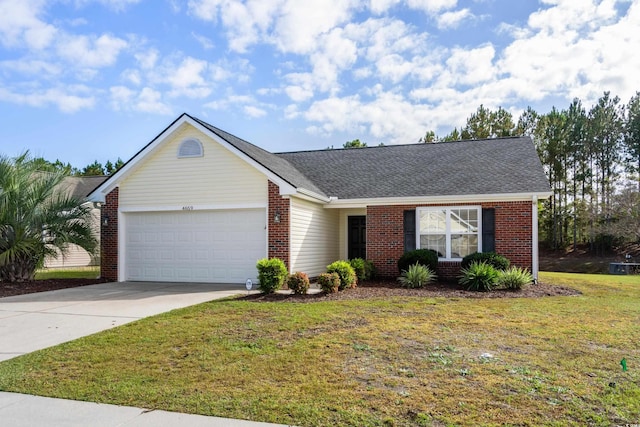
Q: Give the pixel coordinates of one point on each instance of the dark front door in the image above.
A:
(358, 237)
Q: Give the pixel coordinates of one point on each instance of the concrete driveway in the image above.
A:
(35, 321)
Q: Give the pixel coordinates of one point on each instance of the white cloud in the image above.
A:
(187, 78)
(147, 59)
(298, 93)
(66, 99)
(246, 103)
(380, 6)
(91, 51)
(450, 20)
(35, 67)
(291, 26)
(432, 6)
(573, 50)
(298, 28)
(117, 5)
(20, 25)
(150, 101)
(389, 118)
(147, 100)
(132, 76)
(205, 42)
(205, 9)
(471, 67)
(121, 97)
(195, 78)
(253, 111)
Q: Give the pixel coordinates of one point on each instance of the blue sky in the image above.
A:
(84, 80)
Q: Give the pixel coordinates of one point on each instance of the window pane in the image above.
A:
(437, 242)
(433, 221)
(464, 220)
(463, 245)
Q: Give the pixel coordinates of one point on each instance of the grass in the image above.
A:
(68, 273)
(394, 362)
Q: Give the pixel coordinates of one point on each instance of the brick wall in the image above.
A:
(278, 234)
(385, 236)
(109, 237)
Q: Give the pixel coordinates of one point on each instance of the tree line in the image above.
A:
(592, 159)
(93, 169)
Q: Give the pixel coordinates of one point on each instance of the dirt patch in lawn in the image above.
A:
(384, 289)
(19, 288)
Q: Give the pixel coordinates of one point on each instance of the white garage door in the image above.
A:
(195, 246)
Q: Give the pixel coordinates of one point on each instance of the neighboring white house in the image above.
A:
(80, 186)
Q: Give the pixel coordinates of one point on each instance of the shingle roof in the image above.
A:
(474, 167)
(81, 186)
(490, 166)
(486, 166)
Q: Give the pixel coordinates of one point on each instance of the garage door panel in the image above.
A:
(197, 246)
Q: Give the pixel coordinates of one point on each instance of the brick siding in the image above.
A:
(109, 237)
(278, 232)
(385, 236)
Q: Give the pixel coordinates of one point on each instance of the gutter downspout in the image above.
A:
(534, 238)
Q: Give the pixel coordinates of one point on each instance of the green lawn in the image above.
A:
(396, 362)
(68, 273)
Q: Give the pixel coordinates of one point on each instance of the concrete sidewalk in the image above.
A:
(21, 410)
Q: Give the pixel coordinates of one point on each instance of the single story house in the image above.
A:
(75, 256)
(198, 204)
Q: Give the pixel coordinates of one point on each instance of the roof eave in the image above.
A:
(312, 196)
(336, 203)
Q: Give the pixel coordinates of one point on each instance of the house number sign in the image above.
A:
(187, 208)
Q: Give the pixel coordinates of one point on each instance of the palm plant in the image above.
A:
(36, 218)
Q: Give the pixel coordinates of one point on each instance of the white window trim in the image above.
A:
(448, 209)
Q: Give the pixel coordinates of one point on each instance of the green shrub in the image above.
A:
(348, 277)
(514, 278)
(499, 262)
(329, 282)
(271, 274)
(416, 276)
(298, 282)
(479, 276)
(364, 269)
(426, 257)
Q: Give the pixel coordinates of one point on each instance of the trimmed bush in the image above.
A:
(298, 282)
(416, 276)
(514, 278)
(348, 277)
(499, 262)
(479, 276)
(329, 282)
(426, 257)
(364, 268)
(271, 274)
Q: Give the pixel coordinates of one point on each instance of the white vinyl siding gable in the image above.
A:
(217, 178)
(314, 237)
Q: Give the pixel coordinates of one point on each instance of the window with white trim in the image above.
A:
(453, 232)
(190, 148)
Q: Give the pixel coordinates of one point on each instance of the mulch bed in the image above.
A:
(365, 290)
(384, 289)
(20, 288)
